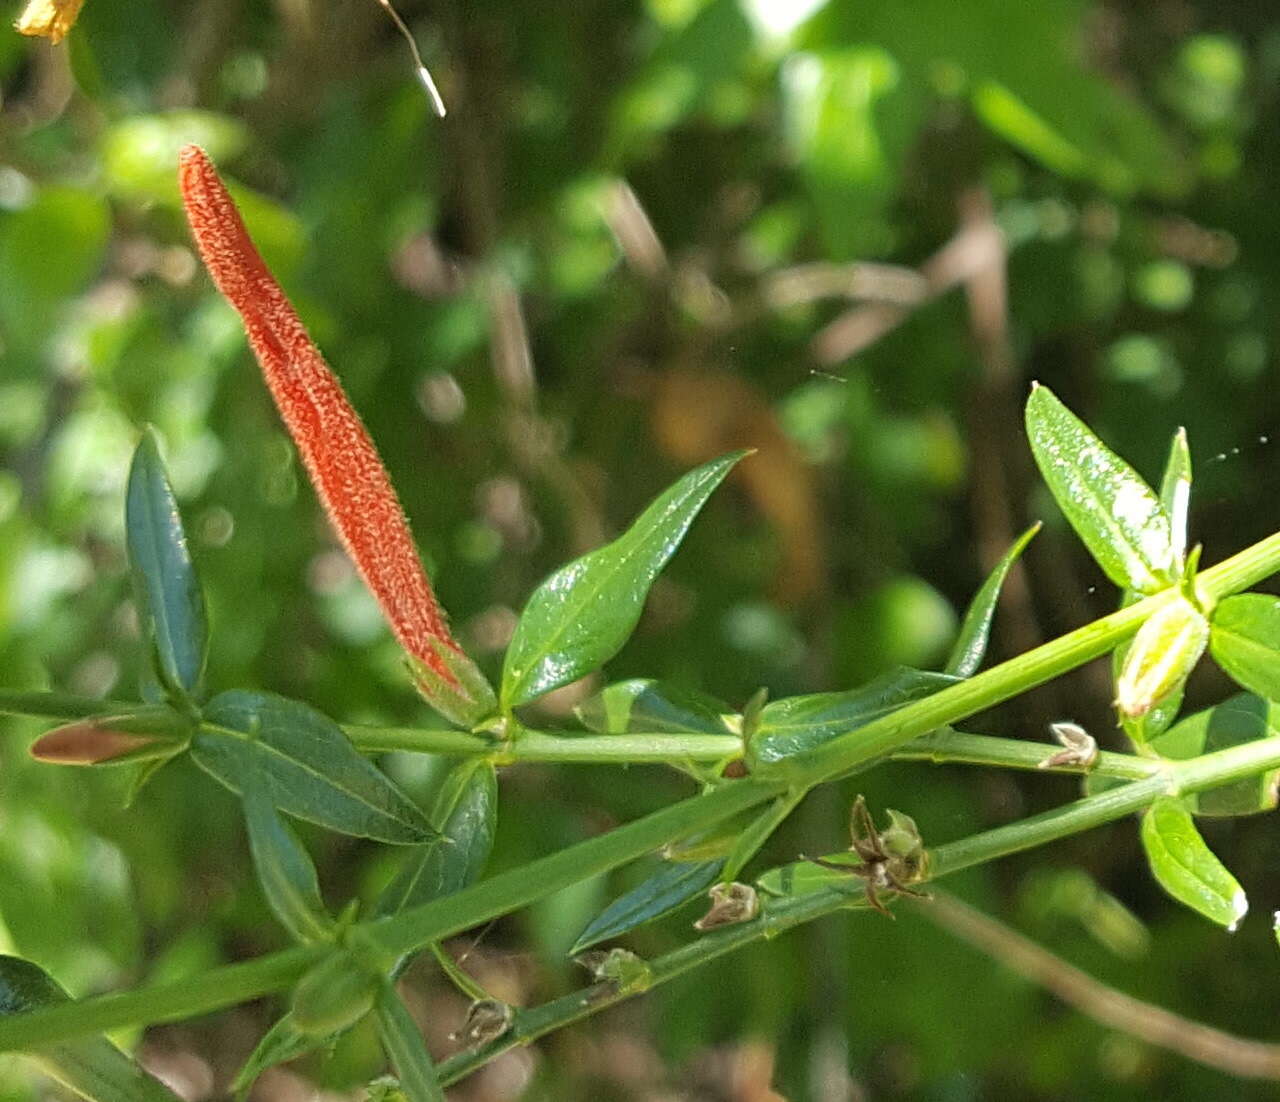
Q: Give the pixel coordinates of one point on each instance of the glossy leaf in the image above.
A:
(170, 603)
(1186, 868)
(672, 885)
(285, 872)
(1175, 493)
(975, 630)
(800, 723)
(92, 1067)
(465, 814)
(581, 616)
(643, 704)
(406, 1048)
(1242, 718)
(1115, 513)
(306, 764)
(1245, 641)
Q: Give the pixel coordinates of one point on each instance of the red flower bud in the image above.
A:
(340, 457)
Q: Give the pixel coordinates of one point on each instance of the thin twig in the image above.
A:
(1237, 1056)
(424, 74)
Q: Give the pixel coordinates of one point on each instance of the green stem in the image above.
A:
(417, 927)
(960, 748)
(60, 705)
(880, 737)
(846, 892)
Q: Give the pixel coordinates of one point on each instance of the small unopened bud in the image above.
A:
(730, 904)
(620, 968)
(1163, 653)
(487, 1020)
(1078, 747)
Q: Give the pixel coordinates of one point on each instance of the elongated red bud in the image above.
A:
(336, 448)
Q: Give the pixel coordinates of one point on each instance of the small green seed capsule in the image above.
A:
(333, 996)
(1163, 653)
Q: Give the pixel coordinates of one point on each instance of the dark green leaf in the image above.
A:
(800, 723)
(405, 1047)
(1245, 641)
(971, 644)
(170, 603)
(1186, 868)
(674, 884)
(1115, 513)
(306, 765)
(581, 616)
(285, 871)
(1243, 718)
(91, 1066)
(465, 813)
(643, 704)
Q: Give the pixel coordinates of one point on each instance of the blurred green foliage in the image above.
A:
(649, 231)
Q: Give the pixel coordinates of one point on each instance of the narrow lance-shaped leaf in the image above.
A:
(1115, 513)
(643, 704)
(465, 814)
(581, 616)
(800, 723)
(305, 762)
(671, 886)
(971, 644)
(1245, 641)
(1186, 868)
(170, 603)
(285, 871)
(1175, 494)
(406, 1048)
(92, 1067)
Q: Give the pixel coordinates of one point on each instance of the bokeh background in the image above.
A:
(848, 234)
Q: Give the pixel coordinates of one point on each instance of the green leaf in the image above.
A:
(283, 1042)
(1245, 641)
(643, 704)
(971, 644)
(285, 871)
(405, 1047)
(1175, 489)
(1242, 718)
(92, 1067)
(1186, 868)
(800, 723)
(306, 764)
(1115, 513)
(334, 995)
(170, 603)
(1175, 493)
(581, 616)
(673, 885)
(465, 814)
